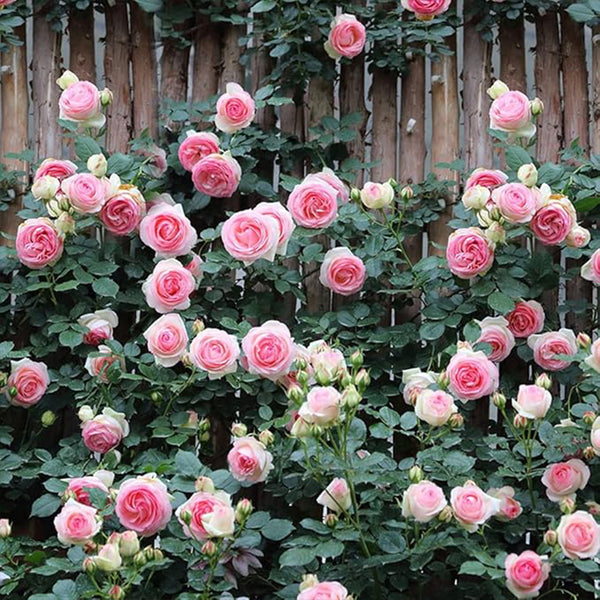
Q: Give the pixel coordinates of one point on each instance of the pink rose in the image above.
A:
(509, 507)
(472, 375)
(496, 332)
(347, 37)
(425, 10)
(7, 2)
(86, 193)
(546, 346)
(336, 496)
(217, 175)
(169, 286)
(104, 432)
(579, 535)
(329, 177)
(195, 268)
(313, 203)
(80, 102)
(168, 231)
(579, 237)
(123, 212)
(488, 178)
(595, 436)
(284, 220)
(196, 146)
(562, 480)
(415, 381)
(552, 223)
(469, 253)
(51, 167)
(472, 506)
(435, 407)
(330, 362)
(516, 202)
(591, 269)
(526, 573)
(324, 591)
(342, 272)
(249, 235)
(235, 109)
(593, 360)
(196, 515)
(167, 339)
(97, 363)
(511, 112)
(216, 352)
(322, 406)
(78, 487)
(249, 460)
(533, 402)
(269, 350)
(77, 523)
(143, 504)
(30, 380)
(377, 195)
(423, 501)
(526, 318)
(100, 325)
(38, 243)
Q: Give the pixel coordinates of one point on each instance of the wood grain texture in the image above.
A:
(82, 51)
(511, 34)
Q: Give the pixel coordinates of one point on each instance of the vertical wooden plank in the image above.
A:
(385, 103)
(511, 35)
(116, 70)
(207, 59)
(82, 60)
(262, 65)
(233, 70)
(595, 145)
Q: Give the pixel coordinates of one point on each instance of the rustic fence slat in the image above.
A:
(82, 59)
(385, 107)
(207, 59)
(262, 65)
(233, 70)
(595, 145)
(511, 34)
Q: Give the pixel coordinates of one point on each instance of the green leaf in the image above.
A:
(391, 542)
(70, 338)
(581, 13)
(45, 505)
(501, 303)
(517, 156)
(85, 146)
(277, 529)
(432, 331)
(5, 348)
(472, 567)
(187, 463)
(150, 5)
(105, 287)
(65, 590)
(263, 6)
(297, 557)
(587, 204)
(330, 549)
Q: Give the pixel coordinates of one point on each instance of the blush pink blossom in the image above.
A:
(104, 432)
(99, 324)
(562, 480)
(495, 332)
(511, 112)
(546, 347)
(533, 402)
(249, 460)
(488, 178)
(336, 496)
(77, 523)
(415, 381)
(516, 202)
(38, 243)
(215, 351)
(167, 339)
(123, 212)
(97, 363)
(324, 591)
(435, 407)
(423, 501)
(595, 436)
(217, 175)
(328, 176)
(425, 10)
(526, 318)
(196, 515)
(591, 269)
(168, 231)
(196, 146)
(509, 507)
(322, 406)
(593, 360)
(249, 235)
(86, 192)
(81, 103)
(285, 223)
(27, 382)
(169, 286)
(552, 223)
(342, 272)
(329, 361)
(78, 487)
(526, 573)
(313, 203)
(579, 237)
(469, 253)
(269, 350)
(579, 535)
(235, 109)
(51, 167)
(472, 506)
(347, 37)
(472, 375)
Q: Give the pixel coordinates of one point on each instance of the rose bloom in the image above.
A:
(526, 573)
(425, 10)
(347, 37)
(249, 235)
(593, 360)
(435, 407)
(476, 197)
(546, 346)
(526, 318)
(496, 332)
(329, 177)
(516, 202)
(579, 237)
(169, 286)
(342, 272)
(591, 269)
(79, 486)
(104, 432)
(80, 102)
(143, 504)
(324, 591)
(249, 460)
(6, 2)
(472, 506)
(51, 167)
(77, 523)
(108, 558)
(579, 535)
(330, 361)
(423, 501)
(336, 496)
(533, 402)
(167, 339)
(377, 195)
(30, 379)
(269, 350)
(100, 325)
(123, 212)
(472, 375)
(196, 146)
(235, 109)
(86, 192)
(322, 406)
(97, 363)
(38, 243)
(509, 507)
(168, 231)
(217, 175)
(285, 223)
(215, 351)
(511, 112)
(313, 203)
(469, 253)
(563, 479)
(595, 436)
(200, 507)
(415, 381)
(488, 178)
(552, 223)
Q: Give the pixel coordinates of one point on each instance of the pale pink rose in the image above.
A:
(269, 350)
(552, 223)
(328, 176)
(472, 375)
(195, 268)
(30, 379)
(104, 432)
(97, 363)
(342, 272)
(86, 192)
(511, 112)
(123, 212)
(324, 591)
(99, 324)
(423, 501)
(220, 522)
(496, 332)
(579, 535)
(143, 504)
(546, 346)
(330, 362)
(167, 339)
(472, 506)
(526, 318)
(595, 436)
(322, 406)
(249, 235)
(6, 2)
(38, 243)
(169, 286)
(593, 360)
(285, 223)
(313, 203)
(215, 351)
(476, 197)
(108, 558)
(336, 496)
(415, 381)
(488, 178)
(168, 231)
(469, 253)
(249, 460)
(425, 10)
(217, 175)
(51, 167)
(347, 37)
(196, 146)
(516, 202)
(377, 195)
(579, 237)
(509, 507)
(200, 508)
(562, 480)
(526, 573)
(80, 103)
(435, 407)
(77, 523)
(235, 109)
(79, 486)
(533, 402)
(591, 269)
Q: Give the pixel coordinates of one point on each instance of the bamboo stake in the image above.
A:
(82, 60)
(512, 54)
(207, 59)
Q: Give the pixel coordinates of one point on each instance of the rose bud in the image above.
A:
(243, 510)
(5, 528)
(85, 413)
(149, 552)
(239, 430)
(308, 581)
(204, 484)
(198, 326)
(300, 429)
(357, 358)
(355, 195)
(537, 107)
(362, 380)
(45, 187)
(589, 417)
(266, 437)
(129, 544)
(443, 380)
(186, 516)
(345, 378)
(499, 400)
(567, 505)
(528, 174)
(543, 380)
(89, 566)
(415, 474)
(497, 89)
(302, 378)
(158, 554)
(295, 394)
(476, 197)
(407, 193)
(589, 453)
(350, 397)
(322, 377)
(108, 559)
(65, 224)
(495, 233)
(106, 97)
(139, 560)
(48, 418)
(456, 421)
(116, 593)
(331, 520)
(520, 422)
(446, 515)
(551, 537)
(593, 507)
(209, 548)
(156, 397)
(97, 165)
(584, 341)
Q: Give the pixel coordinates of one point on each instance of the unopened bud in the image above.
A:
(139, 560)
(186, 516)
(362, 380)
(484, 218)
(156, 397)
(67, 79)
(528, 174)
(331, 520)
(97, 165)
(567, 505)
(89, 566)
(407, 193)
(129, 544)
(106, 97)
(13, 391)
(5, 528)
(476, 197)
(584, 341)
(295, 394)
(45, 188)
(350, 397)
(149, 552)
(204, 425)
(85, 413)
(443, 380)
(266, 437)
(300, 428)
(355, 195)
(65, 223)
(589, 417)
(456, 420)
(497, 89)
(495, 233)
(239, 430)
(302, 377)
(345, 378)
(315, 430)
(209, 549)
(499, 400)
(537, 107)
(48, 418)
(301, 364)
(520, 422)
(198, 326)
(588, 453)
(446, 515)
(158, 554)
(116, 592)
(322, 377)
(415, 474)
(308, 581)
(550, 537)
(192, 422)
(543, 380)
(357, 359)
(593, 507)
(204, 484)
(3, 378)
(243, 510)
